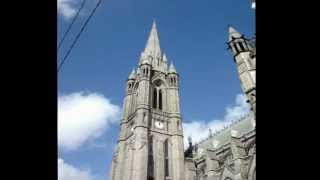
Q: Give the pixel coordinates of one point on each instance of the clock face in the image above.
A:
(159, 124)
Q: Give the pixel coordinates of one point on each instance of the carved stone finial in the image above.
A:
(210, 132)
(190, 140)
(234, 133)
(215, 143)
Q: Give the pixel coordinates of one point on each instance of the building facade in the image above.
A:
(230, 154)
(150, 144)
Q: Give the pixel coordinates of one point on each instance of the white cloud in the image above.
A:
(83, 117)
(66, 8)
(69, 172)
(199, 130)
(253, 5)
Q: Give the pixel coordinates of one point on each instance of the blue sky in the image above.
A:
(193, 35)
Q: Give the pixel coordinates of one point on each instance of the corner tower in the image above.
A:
(150, 145)
(244, 52)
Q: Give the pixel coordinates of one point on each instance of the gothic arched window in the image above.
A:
(236, 47)
(136, 87)
(158, 95)
(241, 46)
(150, 160)
(160, 99)
(166, 158)
(154, 98)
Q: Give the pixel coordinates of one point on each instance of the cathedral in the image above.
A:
(150, 144)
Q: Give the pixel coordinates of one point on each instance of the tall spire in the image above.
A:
(153, 44)
(164, 58)
(133, 74)
(233, 33)
(172, 69)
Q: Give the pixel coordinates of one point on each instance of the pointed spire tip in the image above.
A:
(164, 57)
(153, 44)
(233, 33)
(132, 74)
(172, 69)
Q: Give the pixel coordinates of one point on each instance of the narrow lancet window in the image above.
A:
(166, 158)
(160, 99)
(154, 98)
(150, 160)
(241, 46)
(236, 48)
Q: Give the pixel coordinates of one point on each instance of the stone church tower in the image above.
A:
(244, 52)
(150, 145)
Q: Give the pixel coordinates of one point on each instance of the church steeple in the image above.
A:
(153, 44)
(152, 53)
(150, 143)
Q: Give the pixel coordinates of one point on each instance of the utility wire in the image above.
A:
(78, 35)
(72, 22)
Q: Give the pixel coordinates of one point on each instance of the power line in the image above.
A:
(72, 22)
(78, 35)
